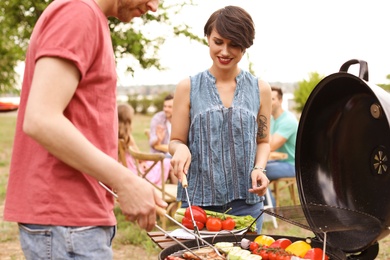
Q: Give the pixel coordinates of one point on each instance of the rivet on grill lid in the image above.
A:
(376, 111)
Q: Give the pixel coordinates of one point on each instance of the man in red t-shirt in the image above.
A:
(66, 136)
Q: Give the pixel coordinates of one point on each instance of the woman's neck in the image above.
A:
(224, 75)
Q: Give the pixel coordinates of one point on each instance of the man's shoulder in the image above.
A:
(159, 116)
(290, 116)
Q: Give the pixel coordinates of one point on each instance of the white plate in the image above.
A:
(183, 234)
(234, 231)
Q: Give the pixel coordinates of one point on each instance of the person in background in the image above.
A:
(66, 138)
(160, 127)
(284, 127)
(220, 124)
(125, 119)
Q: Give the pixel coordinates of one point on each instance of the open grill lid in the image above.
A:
(342, 160)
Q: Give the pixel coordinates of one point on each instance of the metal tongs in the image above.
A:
(198, 237)
(184, 183)
(163, 212)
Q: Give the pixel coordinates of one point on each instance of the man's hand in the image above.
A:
(160, 133)
(138, 200)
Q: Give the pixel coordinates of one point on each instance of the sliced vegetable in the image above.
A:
(238, 254)
(298, 248)
(224, 246)
(264, 240)
(253, 257)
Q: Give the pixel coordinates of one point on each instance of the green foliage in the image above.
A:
(251, 69)
(140, 103)
(18, 18)
(130, 233)
(158, 101)
(305, 87)
(385, 86)
(7, 131)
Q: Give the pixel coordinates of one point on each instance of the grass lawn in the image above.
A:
(128, 234)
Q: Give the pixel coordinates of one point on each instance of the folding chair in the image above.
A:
(167, 191)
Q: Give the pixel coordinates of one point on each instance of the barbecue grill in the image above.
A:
(342, 168)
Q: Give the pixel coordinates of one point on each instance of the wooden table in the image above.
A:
(161, 240)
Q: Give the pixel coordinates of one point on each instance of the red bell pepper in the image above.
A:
(281, 243)
(315, 254)
(199, 214)
(187, 222)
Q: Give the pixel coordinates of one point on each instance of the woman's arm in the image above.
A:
(259, 179)
(181, 156)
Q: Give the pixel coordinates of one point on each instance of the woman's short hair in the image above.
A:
(232, 23)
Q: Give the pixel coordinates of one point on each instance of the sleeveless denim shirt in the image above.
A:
(222, 142)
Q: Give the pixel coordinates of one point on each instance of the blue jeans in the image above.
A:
(239, 208)
(278, 169)
(60, 242)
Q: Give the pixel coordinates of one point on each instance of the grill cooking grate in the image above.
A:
(350, 230)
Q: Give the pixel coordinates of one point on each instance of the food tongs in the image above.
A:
(184, 183)
(163, 212)
(197, 236)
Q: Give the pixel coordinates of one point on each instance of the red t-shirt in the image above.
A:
(41, 188)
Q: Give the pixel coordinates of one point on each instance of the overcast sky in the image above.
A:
(293, 38)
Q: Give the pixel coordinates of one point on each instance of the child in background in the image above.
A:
(125, 118)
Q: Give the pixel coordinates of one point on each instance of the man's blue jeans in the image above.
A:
(277, 170)
(59, 242)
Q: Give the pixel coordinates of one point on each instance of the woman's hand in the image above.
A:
(259, 182)
(181, 160)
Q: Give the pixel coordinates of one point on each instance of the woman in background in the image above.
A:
(220, 124)
(125, 118)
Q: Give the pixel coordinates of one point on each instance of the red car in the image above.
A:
(7, 106)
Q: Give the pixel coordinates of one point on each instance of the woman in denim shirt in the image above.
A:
(220, 124)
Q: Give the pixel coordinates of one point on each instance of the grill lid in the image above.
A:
(342, 160)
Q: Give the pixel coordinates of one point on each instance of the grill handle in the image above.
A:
(363, 71)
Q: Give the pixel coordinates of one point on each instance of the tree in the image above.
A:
(385, 86)
(305, 87)
(18, 17)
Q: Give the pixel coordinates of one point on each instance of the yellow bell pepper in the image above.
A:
(298, 248)
(264, 240)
